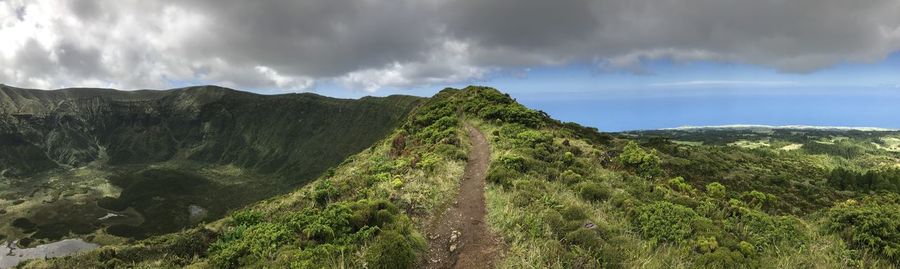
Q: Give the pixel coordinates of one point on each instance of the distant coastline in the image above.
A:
(799, 127)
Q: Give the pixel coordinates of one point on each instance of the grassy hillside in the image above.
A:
(152, 156)
(561, 196)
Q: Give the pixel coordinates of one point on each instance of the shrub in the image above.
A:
(451, 151)
(324, 191)
(585, 238)
(397, 183)
(372, 213)
(715, 190)
(574, 212)
(511, 113)
(429, 161)
(639, 160)
(706, 244)
(678, 184)
(761, 229)
(391, 250)
(746, 248)
(554, 220)
(592, 191)
(532, 138)
(259, 241)
(513, 162)
(568, 158)
(322, 225)
(502, 175)
(724, 258)
(246, 217)
(664, 221)
(262, 240)
(872, 224)
(569, 177)
(757, 199)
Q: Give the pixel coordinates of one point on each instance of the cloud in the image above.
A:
(371, 44)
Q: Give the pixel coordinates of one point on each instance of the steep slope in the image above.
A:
(558, 194)
(165, 152)
(207, 124)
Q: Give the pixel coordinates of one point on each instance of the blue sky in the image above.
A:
(671, 94)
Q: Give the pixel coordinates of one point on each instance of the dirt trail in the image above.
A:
(460, 238)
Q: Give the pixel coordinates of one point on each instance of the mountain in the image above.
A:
(148, 157)
(210, 124)
(471, 178)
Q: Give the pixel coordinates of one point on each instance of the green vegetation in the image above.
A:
(665, 222)
(161, 161)
(367, 211)
(565, 196)
(872, 225)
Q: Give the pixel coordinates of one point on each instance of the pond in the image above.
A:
(10, 255)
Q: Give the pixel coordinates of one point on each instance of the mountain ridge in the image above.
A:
(120, 149)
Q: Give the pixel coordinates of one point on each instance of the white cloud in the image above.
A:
(285, 82)
(371, 44)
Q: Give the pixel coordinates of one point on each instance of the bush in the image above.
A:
(246, 217)
(502, 175)
(513, 162)
(761, 229)
(532, 138)
(757, 199)
(324, 191)
(511, 113)
(322, 225)
(664, 221)
(391, 250)
(585, 238)
(259, 241)
(592, 191)
(569, 177)
(554, 220)
(715, 190)
(706, 244)
(639, 160)
(724, 258)
(872, 224)
(574, 212)
(678, 184)
(746, 248)
(568, 158)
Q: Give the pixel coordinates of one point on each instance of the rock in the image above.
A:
(454, 236)
(452, 247)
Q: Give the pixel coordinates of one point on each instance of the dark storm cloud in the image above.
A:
(375, 43)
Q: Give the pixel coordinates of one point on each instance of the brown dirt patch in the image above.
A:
(459, 238)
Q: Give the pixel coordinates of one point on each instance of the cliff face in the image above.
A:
(293, 135)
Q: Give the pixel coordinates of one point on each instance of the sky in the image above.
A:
(612, 64)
